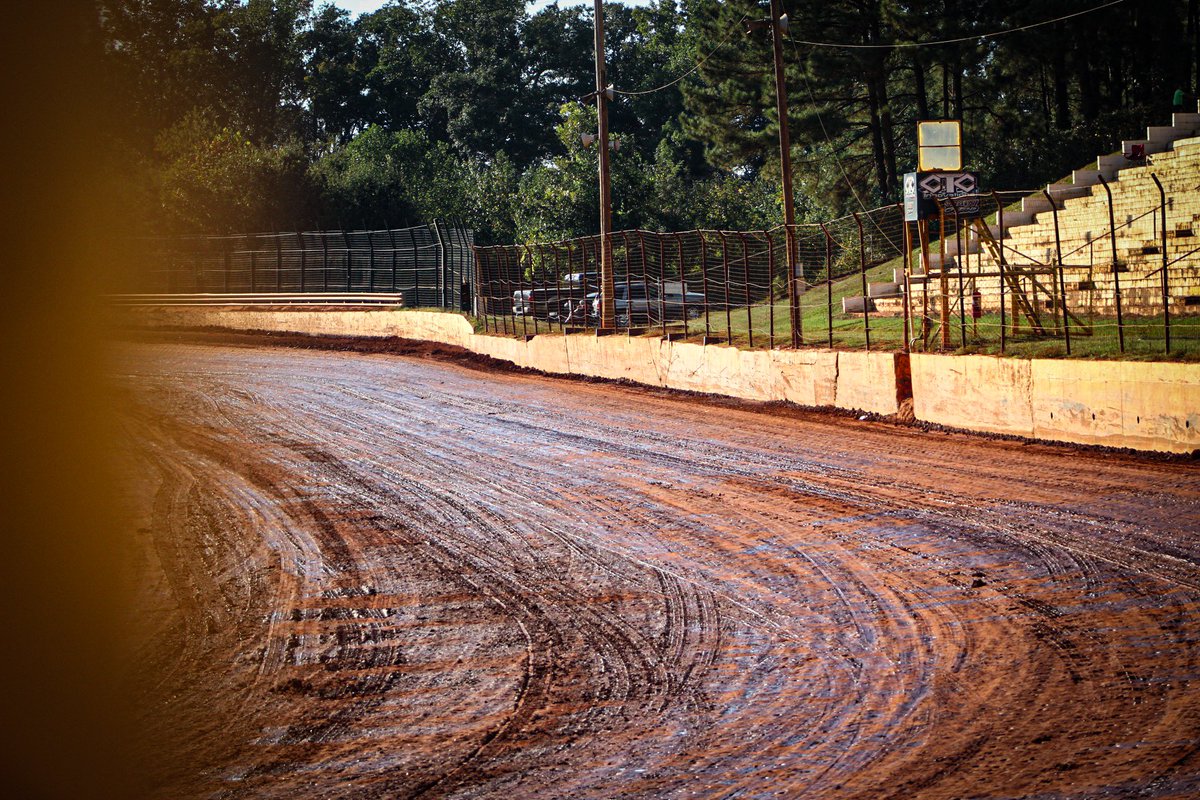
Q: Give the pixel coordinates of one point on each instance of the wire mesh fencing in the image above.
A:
(1071, 270)
(427, 265)
(1079, 273)
(728, 286)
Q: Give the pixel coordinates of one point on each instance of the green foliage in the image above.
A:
(267, 113)
(214, 179)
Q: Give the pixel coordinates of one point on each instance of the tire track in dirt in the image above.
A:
(524, 587)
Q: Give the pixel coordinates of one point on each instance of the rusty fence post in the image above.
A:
(728, 288)
(746, 276)
(959, 258)
(682, 282)
(1112, 237)
(1000, 266)
(704, 282)
(828, 280)
(862, 271)
(1062, 284)
(770, 289)
(1166, 299)
(663, 281)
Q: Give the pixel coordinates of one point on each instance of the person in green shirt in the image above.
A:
(1177, 102)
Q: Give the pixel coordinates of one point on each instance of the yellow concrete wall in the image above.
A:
(1120, 404)
(855, 381)
(1139, 405)
(978, 393)
(1145, 406)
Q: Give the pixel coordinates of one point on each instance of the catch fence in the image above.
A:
(1120, 276)
(427, 265)
(731, 286)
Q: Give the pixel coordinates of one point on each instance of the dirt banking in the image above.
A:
(385, 576)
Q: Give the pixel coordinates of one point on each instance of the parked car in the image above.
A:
(542, 303)
(637, 303)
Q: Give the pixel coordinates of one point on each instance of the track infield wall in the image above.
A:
(1136, 405)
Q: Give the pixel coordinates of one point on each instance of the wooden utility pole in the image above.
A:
(607, 311)
(785, 166)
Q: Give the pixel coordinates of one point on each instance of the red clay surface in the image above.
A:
(382, 576)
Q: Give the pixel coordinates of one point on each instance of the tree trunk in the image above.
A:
(1193, 48)
(889, 136)
(1045, 96)
(958, 89)
(945, 90)
(1058, 69)
(1089, 96)
(877, 137)
(922, 96)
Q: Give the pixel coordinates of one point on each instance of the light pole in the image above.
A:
(607, 315)
(778, 25)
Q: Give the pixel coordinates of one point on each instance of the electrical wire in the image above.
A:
(837, 158)
(736, 27)
(972, 38)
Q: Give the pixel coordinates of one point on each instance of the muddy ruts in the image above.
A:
(369, 576)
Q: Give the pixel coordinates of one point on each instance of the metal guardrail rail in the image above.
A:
(260, 298)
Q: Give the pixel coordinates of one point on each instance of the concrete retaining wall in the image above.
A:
(1138, 405)
(1143, 406)
(854, 381)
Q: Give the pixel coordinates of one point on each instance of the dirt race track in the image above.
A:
(378, 576)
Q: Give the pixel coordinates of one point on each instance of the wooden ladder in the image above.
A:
(1011, 277)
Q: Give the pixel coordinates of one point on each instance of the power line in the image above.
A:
(837, 158)
(972, 38)
(737, 26)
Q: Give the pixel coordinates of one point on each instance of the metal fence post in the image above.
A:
(862, 271)
(770, 289)
(370, 261)
(1112, 237)
(392, 242)
(349, 261)
(481, 294)
(303, 259)
(441, 280)
(324, 262)
(704, 281)
(728, 287)
(959, 258)
(278, 262)
(1062, 284)
(682, 282)
(789, 235)
(746, 274)
(662, 281)
(253, 264)
(828, 281)
(907, 320)
(1166, 299)
(1000, 266)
